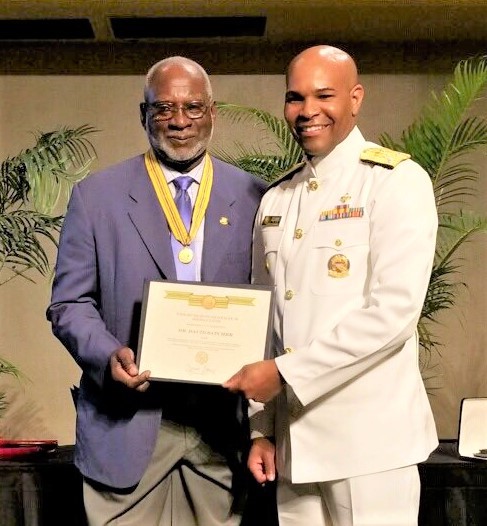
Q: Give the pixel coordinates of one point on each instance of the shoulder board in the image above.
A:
(383, 156)
(287, 175)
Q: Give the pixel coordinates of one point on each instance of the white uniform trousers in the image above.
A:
(185, 484)
(390, 498)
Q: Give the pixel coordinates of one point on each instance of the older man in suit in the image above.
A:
(151, 453)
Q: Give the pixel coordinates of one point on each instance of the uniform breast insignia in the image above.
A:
(313, 184)
(338, 266)
(341, 212)
(383, 156)
(345, 198)
(271, 221)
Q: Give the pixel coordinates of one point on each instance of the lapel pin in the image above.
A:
(224, 221)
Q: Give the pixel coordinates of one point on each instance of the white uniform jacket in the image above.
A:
(349, 245)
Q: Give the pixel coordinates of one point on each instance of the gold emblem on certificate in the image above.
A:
(208, 302)
(338, 266)
(201, 357)
(185, 255)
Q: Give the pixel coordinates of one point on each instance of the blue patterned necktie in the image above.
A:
(185, 271)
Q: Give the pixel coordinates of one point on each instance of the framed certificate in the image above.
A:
(204, 333)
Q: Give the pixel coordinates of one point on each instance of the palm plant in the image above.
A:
(438, 140)
(31, 185)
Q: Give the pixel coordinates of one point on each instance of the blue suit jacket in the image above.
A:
(114, 237)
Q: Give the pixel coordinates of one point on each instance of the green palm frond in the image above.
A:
(453, 231)
(268, 166)
(445, 133)
(40, 175)
(21, 248)
(10, 369)
(31, 184)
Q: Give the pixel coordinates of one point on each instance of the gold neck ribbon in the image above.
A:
(167, 202)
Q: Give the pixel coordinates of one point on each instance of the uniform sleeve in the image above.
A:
(261, 416)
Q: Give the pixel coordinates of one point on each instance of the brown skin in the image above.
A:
(323, 99)
(180, 143)
(124, 370)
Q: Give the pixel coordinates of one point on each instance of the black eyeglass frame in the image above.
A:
(170, 109)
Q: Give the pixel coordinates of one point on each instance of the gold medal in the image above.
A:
(168, 205)
(185, 255)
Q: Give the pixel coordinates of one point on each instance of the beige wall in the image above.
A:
(41, 406)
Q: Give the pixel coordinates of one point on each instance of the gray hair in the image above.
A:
(185, 63)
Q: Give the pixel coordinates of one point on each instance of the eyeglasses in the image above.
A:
(165, 110)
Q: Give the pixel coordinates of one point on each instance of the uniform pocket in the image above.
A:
(340, 256)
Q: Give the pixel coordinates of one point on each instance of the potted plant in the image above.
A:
(438, 140)
(31, 185)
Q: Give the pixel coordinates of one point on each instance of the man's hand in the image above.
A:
(260, 381)
(125, 371)
(261, 462)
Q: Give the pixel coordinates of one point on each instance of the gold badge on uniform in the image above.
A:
(313, 184)
(224, 221)
(338, 266)
(345, 198)
(383, 156)
(271, 221)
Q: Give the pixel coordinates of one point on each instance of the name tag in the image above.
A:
(271, 221)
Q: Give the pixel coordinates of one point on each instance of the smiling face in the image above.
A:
(179, 140)
(323, 98)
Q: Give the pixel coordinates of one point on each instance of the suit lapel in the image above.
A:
(217, 231)
(148, 218)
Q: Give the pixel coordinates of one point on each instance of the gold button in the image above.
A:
(298, 233)
(287, 350)
(313, 185)
(289, 294)
(338, 242)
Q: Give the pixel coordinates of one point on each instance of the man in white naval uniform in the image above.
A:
(348, 239)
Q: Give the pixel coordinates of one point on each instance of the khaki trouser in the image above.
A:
(186, 484)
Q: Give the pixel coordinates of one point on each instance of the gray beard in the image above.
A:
(161, 144)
